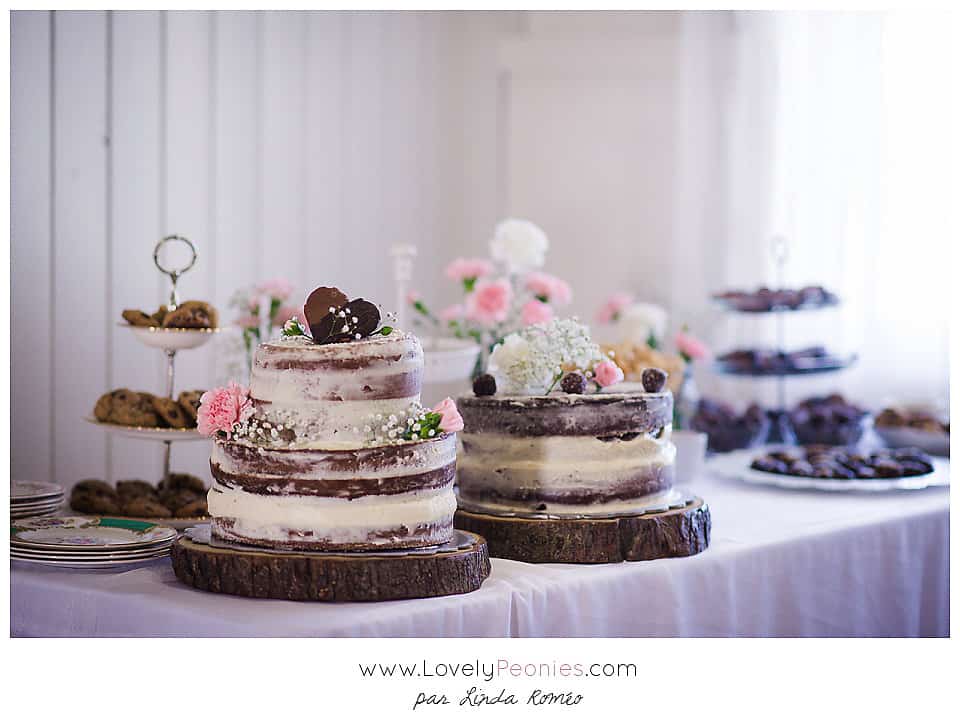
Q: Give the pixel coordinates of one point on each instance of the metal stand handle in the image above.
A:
(176, 272)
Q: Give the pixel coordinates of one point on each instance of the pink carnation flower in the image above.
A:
(247, 322)
(610, 310)
(553, 289)
(490, 301)
(285, 313)
(452, 313)
(606, 373)
(413, 296)
(690, 347)
(536, 312)
(463, 269)
(222, 408)
(279, 288)
(450, 419)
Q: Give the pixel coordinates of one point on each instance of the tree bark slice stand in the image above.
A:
(303, 576)
(677, 532)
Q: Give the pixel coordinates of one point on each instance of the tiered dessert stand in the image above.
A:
(782, 431)
(170, 340)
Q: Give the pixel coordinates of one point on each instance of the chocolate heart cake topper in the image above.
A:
(333, 318)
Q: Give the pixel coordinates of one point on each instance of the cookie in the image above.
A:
(192, 315)
(137, 318)
(177, 499)
(134, 409)
(146, 507)
(101, 410)
(182, 481)
(172, 414)
(196, 508)
(159, 315)
(190, 401)
(97, 503)
(133, 489)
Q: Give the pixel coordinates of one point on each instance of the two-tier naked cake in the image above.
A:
(552, 430)
(330, 450)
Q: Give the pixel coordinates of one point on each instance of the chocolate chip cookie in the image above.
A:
(192, 315)
(172, 414)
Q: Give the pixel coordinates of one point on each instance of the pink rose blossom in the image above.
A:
(450, 419)
(247, 322)
(278, 288)
(536, 312)
(413, 296)
(490, 301)
(691, 347)
(463, 269)
(452, 313)
(222, 408)
(606, 373)
(610, 310)
(554, 290)
(285, 313)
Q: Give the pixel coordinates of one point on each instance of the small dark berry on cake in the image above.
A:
(485, 385)
(653, 379)
(573, 383)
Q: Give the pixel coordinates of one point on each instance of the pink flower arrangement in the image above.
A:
(249, 321)
(610, 311)
(548, 288)
(606, 373)
(276, 288)
(222, 408)
(466, 269)
(450, 419)
(285, 313)
(535, 311)
(452, 313)
(490, 301)
(690, 347)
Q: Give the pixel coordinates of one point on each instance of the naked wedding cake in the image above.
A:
(551, 429)
(330, 449)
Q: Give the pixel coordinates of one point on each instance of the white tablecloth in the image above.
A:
(781, 563)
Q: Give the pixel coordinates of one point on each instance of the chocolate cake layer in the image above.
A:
(298, 540)
(348, 488)
(613, 414)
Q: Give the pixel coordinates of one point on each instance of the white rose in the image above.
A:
(519, 244)
(639, 320)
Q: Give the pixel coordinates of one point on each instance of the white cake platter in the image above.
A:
(934, 443)
(447, 359)
(157, 434)
(170, 338)
(736, 465)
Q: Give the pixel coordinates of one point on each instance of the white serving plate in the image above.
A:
(736, 465)
(169, 338)
(88, 533)
(157, 434)
(28, 491)
(85, 564)
(934, 443)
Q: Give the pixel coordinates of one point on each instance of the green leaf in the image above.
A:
(385, 331)
(468, 284)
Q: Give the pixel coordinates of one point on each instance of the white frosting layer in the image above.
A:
(334, 519)
(562, 464)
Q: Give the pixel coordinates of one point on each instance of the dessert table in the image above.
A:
(780, 563)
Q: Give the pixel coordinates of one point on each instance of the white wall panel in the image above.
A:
(135, 161)
(31, 98)
(79, 296)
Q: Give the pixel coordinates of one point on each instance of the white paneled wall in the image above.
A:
(283, 143)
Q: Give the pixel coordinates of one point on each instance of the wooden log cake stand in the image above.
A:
(315, 576)
(681, 531)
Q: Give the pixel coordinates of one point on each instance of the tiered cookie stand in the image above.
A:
(781, 430)
(170, 340)
(457, 567)
(681, 528)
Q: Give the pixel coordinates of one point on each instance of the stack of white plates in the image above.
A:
(88, 542)
(28, 498)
